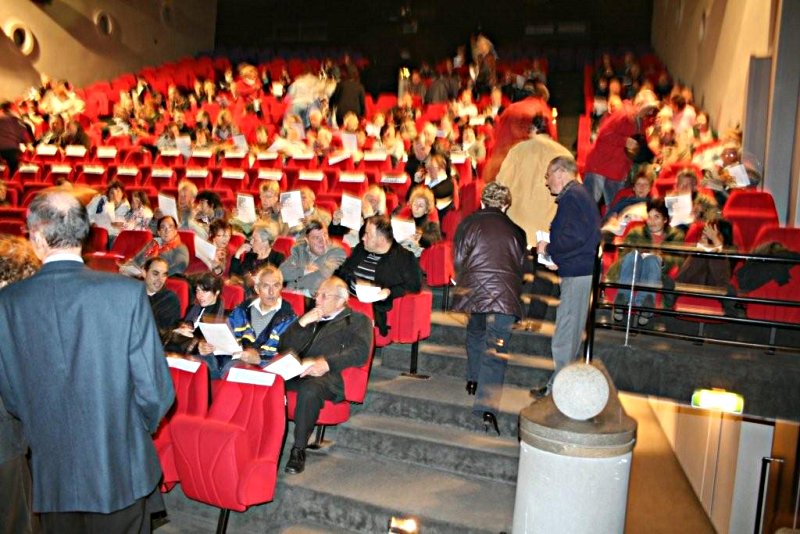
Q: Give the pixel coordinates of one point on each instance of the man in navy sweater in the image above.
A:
(574, 237)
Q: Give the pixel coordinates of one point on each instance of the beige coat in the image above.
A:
(532, 205)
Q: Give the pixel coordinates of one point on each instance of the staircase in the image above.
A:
(413, 449)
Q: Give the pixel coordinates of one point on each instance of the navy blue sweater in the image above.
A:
(575, 231)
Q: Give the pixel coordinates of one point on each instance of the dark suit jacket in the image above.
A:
(81, 365)
(344, 341)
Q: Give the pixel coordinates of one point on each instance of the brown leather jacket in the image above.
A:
(489, 252)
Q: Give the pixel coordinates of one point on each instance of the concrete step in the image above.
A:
(449, 328)
(523, 370)
(465, 452)
(440, 400)
(359, 493)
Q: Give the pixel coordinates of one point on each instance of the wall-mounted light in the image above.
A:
(718, 399)
(403, 525)
(21, 36)
(105, 23)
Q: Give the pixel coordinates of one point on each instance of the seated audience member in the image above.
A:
(421, 205)
(310, 212)
(704, 206)
(4, 201)
(269, 212)
(652, 266)
(169, 137)
(436, 176)
(717, 236)
(140, 215)
(75, 135)
(208, 207)
(55, 133)
(208, 307)
(254, 255)
(473, 146)
(167, 245)
(257, 325)
(334, 338)
(110, 211)
(312, 260)
(18, 261)
(220, 233)
(392, 143)
(373, 202)
(261, 141)
(225, 129)
(380, 261)
(61, 100)
(202, 122)
(639, 193)
(165, 304)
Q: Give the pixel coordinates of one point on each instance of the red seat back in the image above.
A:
(180, 287)
(283, 244)
(129, 242)
(436, 262)
(409, 319)
(229, 458)
(296, 300)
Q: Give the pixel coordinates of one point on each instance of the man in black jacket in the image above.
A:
(333, 337)
(380, 261)
(489, 252)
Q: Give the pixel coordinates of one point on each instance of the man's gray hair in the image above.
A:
(496, 195)
(60, 218)
(565, 163)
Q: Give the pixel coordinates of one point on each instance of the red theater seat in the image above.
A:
(436, 262)
(229, 457)
(180, 287)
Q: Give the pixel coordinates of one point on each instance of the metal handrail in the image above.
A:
(598, 284)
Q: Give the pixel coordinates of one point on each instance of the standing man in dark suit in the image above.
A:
(81, 366)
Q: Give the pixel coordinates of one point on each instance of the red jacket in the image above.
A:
(607, 156)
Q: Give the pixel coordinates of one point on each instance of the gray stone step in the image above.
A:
(523, 370)
(360, 494)
(449, 328)
(466, 452)
(441, 400)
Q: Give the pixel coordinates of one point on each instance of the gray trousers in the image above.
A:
(570, 320)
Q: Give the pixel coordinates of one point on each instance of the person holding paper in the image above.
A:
(310, 212)
(373, 202)
(258, 324)
(574, 238)
(489, 253)
(312, 260)
(109, 211)
(208, 306)
(89, 383)
(220, 231)
(437, 178)
(380, 261)
(140, 215)
(652, 267)
(421, 209)
(168, 245)
(333, 337)
(704, 205)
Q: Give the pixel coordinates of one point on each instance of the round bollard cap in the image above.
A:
(580, 391)
(610, 433)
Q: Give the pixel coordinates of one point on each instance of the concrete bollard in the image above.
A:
(573, 474)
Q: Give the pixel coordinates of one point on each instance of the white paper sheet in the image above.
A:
(403, 229)
(75, 151)
(183, 364)
(339, 157)
(544, 259)
(292, 208)
(366, 293)
(739, 173)
(246, 208)
(221, 336)
(250, 376)
(680, 209)
(351, 211)
(349, 142)
(240, 142)
(375, 155)
(184, 144)
(287, 367)
(168, 206)
(277, 89)
(205, 251)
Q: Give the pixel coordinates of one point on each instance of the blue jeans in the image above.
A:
(488, 335)
(217, 365)
(601, 187)
(648, 272)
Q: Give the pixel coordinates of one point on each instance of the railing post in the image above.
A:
(766, 462)
(594, 298)
(630, 296)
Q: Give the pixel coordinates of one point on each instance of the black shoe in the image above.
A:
(489, 420)
(538, 393)
(297, 461)
(472, 387)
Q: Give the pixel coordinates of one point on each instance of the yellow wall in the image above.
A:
(715, 66)
(68, 45)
